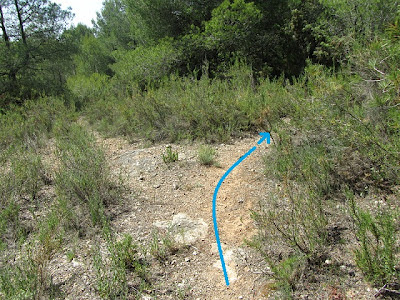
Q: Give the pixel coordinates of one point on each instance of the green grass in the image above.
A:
(83, 177)
(207, 155)
(169, 156)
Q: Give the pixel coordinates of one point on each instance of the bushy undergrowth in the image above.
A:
(83, 176)
(340, 135)
(187, 108)
(123, 263)
(29, 125)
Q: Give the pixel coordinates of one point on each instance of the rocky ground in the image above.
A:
(173, 202)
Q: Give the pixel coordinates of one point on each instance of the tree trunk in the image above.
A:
(3, 28)
(21, 23)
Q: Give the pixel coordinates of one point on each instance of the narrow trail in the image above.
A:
(177, 198)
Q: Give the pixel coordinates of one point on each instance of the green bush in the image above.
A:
(145, 65)
(112, 274)
(186, 108)
(169, 156)
(29, 125)
(377, 253)
(83, 177)
(207, 155)
(86, 89)
(24, 274)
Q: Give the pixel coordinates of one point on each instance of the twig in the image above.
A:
(380, 72)
(384, 291)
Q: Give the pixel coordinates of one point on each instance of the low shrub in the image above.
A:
(83, 177)
(207, 155)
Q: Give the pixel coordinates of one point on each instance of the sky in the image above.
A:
(84, 10)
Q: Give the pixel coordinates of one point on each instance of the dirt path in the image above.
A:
(178, 196)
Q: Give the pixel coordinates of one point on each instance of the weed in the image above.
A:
(27, 277)
(83, 176)
(169, 156)
(377, 254)
(162, 248)
(123, 260)
(207, 155)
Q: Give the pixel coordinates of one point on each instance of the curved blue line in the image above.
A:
(214, 211)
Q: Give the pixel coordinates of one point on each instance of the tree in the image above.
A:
(153, 20)
(31, 44)
(113, 26)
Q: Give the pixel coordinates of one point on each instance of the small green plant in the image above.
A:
(112, 273)
(377, 254)
(28, 277)
(207, 155)
(84, 177)
(162, 247)
(169, 156)
(287, 273)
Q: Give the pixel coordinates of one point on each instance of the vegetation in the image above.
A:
(321, 76)
(207, 155)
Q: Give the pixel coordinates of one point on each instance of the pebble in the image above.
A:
(175, 186)
(156, 186)
(328, 262)
(187, 259)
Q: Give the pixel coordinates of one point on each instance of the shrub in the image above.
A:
(207, 155)
(123, 261)
(86, 89)
(29, 126)
(377, 254)
(169, 156)
(25, 276)
(83, 177)
(145, 65)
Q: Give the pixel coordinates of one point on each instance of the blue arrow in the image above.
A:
(264, 135)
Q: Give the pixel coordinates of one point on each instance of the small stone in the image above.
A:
(328, 262)
(141, 178)
(175, 186)
(187, 259)
(194, 253)
(156, 186)
(241, 200)
(240, 297)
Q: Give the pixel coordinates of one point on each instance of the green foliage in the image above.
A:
(33, 57)
(145, 64)
(207, 155)
(113, 26)
(83, 177)
(93, 57)
(86, 89)
(377, 254)
(152, 20)
(162, 247)
(112, 274)
(169, 156)
(29, 125)
(360, 19)
(186, 108)
(287, 273)
(232, 28)
(298, 219)
(28, 276)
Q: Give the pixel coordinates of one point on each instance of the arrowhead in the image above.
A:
(264, 136)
